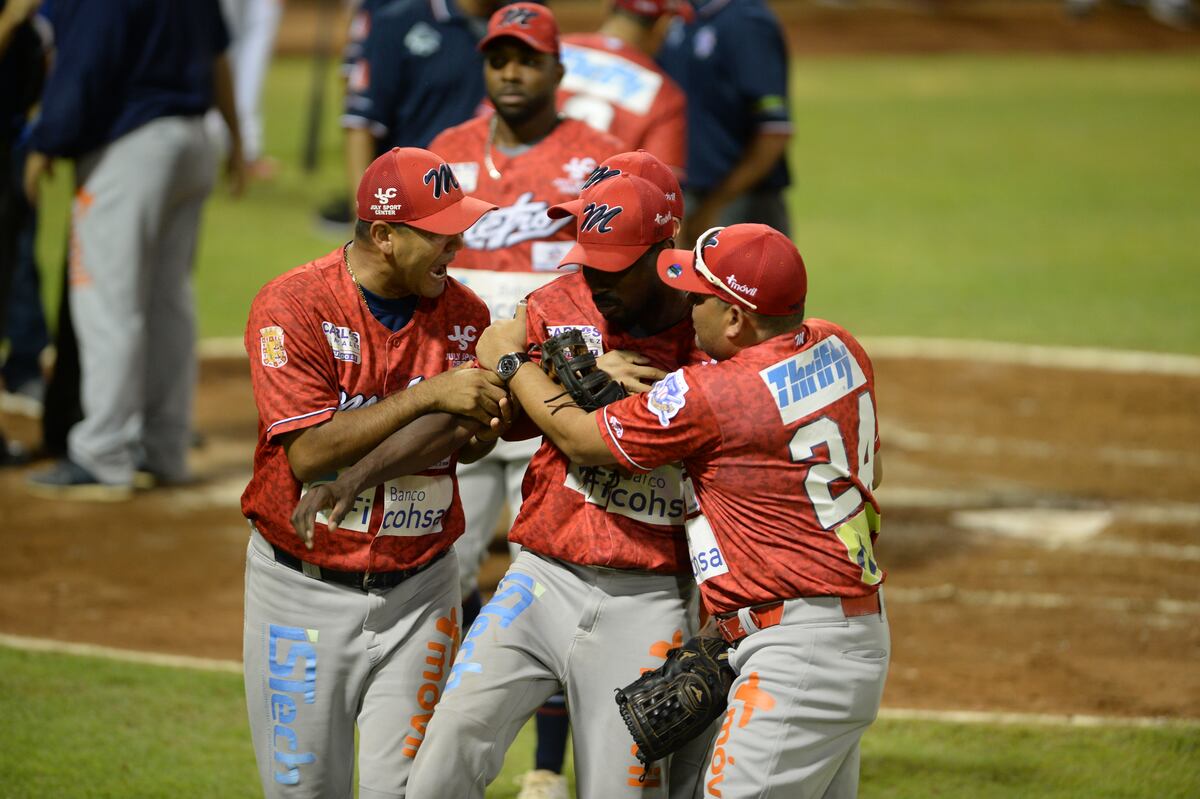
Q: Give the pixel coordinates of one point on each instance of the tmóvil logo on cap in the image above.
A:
(597, 216)
(443, 180)
(385, 206)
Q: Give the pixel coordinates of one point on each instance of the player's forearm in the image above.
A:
(360, 152)
(414, 448)
(760, 158)
(348, 436)
(223, 98)
(572, 429)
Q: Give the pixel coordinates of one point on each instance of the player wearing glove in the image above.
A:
(780, 445)
(601, 588)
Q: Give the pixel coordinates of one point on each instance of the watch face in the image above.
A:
(507, 366)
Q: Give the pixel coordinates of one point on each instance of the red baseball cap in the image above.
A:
(530, 23)
(619, 220)
(657, 8)
(643, 165)
(754, 265)
(414, 186)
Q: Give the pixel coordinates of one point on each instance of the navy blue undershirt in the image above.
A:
(392, 314)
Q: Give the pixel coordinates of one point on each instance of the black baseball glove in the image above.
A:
(667, 707)
(566, 358)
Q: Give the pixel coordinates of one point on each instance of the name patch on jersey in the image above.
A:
(344, 342)
(416, 505)
(813, 379)
(707, 559)
(591, 336)
(270, 347)
(667, 397)
(610, 77)
(467, 173)
(654, 498)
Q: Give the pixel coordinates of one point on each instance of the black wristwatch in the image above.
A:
(508, 364)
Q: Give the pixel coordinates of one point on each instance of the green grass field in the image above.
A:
(1016, 198)
(83, 727)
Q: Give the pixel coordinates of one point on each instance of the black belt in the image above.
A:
(359, 581)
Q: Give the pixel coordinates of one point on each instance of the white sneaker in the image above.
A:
(542, 784)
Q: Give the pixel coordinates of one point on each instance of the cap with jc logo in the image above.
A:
(416, 187)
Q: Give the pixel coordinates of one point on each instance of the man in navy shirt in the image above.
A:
(416, 72)
(732, 64)
(125, 100)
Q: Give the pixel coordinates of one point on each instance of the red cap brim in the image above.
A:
(677, 268)
(453, 219)
(605, 257)
(524, 38)
(569, 208)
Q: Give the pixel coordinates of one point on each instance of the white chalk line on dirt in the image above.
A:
(947, 592)
(49, 646)
(1081, 358)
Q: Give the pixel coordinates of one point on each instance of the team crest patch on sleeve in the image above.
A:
(667, 398)
(270, 347)
(591, 336)
(813, 379)
(344, 342)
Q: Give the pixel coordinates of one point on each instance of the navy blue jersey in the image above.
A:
(419, 74)
(22, 67)
(123, 63)
(732, 64)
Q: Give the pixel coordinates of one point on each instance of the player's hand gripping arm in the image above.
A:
(412, 449)
(347, 436)
(631, 369)
(572, 429)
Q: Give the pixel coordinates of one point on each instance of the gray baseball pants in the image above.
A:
(134, 227)
(554, 625)
(320, 659)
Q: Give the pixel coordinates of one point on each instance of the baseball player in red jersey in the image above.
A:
(613, 84)
(780, 443)
(601, 587)
(523, 158)
(359, 627)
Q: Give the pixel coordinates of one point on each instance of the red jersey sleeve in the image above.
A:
(663, 425)
(293, 376)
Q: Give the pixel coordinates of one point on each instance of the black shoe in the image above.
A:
(69, 480)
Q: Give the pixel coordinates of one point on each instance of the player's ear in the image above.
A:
(381, 236)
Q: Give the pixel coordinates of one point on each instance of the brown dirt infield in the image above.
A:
(1102, 623)
(1042, 526)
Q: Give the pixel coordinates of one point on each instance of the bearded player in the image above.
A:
(601, 587)
(780, 443)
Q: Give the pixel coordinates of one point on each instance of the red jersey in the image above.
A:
(316, 349)
(617, 88)
(515, 249)
(779, 444)
(596, 516)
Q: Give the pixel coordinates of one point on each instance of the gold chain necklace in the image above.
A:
(487, 149)
(354, 277)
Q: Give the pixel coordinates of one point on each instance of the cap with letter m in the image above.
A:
(417, 188)
(755, 266)
(529, 23)
(618, 220)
